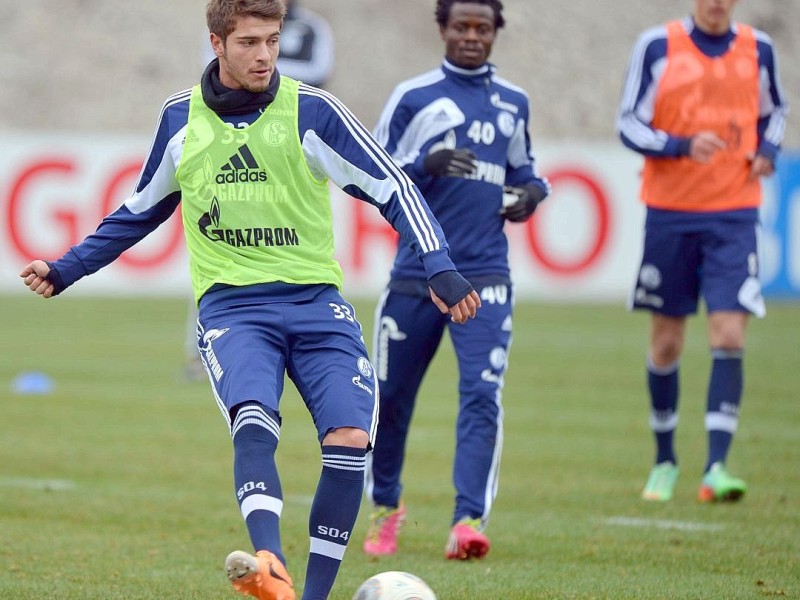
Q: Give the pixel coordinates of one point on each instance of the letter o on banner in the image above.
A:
(598, 243)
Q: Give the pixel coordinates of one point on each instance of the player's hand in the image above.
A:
(453, 294)
(462, 311)
(35, 277)
(760, 166)
(450, 162)
(704, 145)
(519, 203)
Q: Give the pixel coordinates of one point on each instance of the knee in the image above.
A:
(346, 436)
(727, 338)
(666, 340)
(726, 330)
(665, 353)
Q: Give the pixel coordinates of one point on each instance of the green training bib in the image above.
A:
(252, 210)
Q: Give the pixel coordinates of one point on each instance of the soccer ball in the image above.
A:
(394, 585)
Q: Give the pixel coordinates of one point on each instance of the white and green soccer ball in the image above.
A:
(394, 585)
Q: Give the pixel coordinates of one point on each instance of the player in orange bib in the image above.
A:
(703, 104)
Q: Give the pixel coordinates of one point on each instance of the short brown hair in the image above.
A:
(221, 15)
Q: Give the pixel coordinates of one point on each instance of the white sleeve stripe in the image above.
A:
(414, 212)
(416, 215)
(627, 121)
(634, 76)
(641, 135)
(509, 85)
(382, 128)
(176, 98)
(776, 126)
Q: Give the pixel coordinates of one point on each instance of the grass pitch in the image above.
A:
(118, 483)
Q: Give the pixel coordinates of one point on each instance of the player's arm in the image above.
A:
(416, 137)
(635, 113)
(525, 187)
(337, 146)
(773, 113)
(153, 200)
(116, 233)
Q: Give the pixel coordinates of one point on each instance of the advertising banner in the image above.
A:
(583, 244)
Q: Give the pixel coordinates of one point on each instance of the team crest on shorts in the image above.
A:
(650, 276)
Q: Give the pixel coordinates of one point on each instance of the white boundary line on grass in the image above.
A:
(51, 485)
(662, 524)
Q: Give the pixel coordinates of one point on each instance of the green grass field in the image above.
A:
(118, 484)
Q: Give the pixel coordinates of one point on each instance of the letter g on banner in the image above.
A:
(21, 195)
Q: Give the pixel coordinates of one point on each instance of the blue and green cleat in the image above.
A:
(661, 482)
(720, 486)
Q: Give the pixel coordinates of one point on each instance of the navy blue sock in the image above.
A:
(724, 398)
(333, 515)
(255, 432)
(663, 384)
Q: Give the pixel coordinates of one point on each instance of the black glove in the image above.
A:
(528, 198)
(450, 286)
(449, 162)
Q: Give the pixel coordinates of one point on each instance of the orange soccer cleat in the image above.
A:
(262, 576)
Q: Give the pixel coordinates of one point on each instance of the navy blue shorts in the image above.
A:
(250, 337)
(687, 257)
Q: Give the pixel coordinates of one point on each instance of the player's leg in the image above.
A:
(722, 405)
(329, 365)
(407, 333)
(732, 291)
(408, 330)
(255, 432)
(245, 359)
(482, 347)
(667, 286)
(726, 337)
(667, 335)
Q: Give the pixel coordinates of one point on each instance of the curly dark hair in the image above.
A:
(443, 10)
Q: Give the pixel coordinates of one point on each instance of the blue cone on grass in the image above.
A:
(32, 383)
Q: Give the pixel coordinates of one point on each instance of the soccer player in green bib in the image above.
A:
(248, 155)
